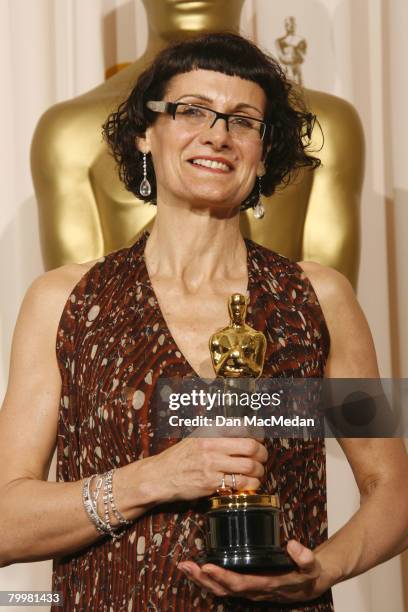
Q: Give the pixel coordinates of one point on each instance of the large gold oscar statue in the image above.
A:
(85, 212)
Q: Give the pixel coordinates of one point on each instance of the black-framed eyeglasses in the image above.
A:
(195, 116)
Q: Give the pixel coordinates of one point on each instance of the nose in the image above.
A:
(219, 118)
(217, 134)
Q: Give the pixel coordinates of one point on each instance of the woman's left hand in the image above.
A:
(303, 584)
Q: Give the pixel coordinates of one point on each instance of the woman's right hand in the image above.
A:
(195, 467)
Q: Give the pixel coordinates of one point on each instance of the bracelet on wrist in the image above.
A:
(103, 525)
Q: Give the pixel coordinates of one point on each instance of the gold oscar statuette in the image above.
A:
(242, 527)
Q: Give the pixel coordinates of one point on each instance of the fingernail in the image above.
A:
(185, 569)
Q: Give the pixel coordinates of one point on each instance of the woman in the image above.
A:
(208, 126)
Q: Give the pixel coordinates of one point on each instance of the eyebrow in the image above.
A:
(238, 107)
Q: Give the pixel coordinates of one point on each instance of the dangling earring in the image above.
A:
(145, 188)
(258, 209)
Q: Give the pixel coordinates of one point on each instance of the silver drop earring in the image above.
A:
(258, 209)
(145, 188)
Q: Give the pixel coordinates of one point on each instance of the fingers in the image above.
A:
(242, 483)
(259, 587)
(196, 575)
(231, 581)
(292, 586)
(249, 484)
(195, 467)
(304, 558)
(249, 447)
(242, 447)
(257, 433)
(243, 457)
(244, 466)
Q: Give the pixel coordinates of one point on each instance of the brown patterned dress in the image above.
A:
(112, 345)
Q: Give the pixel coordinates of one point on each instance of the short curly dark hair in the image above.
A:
(285, 145)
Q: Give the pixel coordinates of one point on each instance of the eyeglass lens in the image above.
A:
(239, 125)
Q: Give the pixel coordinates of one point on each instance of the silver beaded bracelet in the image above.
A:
(118, 515)
(98, 485)
(90, 505)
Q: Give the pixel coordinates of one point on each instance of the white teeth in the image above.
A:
(208, 163)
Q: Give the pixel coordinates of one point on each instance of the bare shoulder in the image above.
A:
(49, 292)
(33, 346)
(63, 278)
(352, 351)
(331, 287)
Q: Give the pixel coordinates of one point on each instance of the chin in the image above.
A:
(213, 194)
(215, 203)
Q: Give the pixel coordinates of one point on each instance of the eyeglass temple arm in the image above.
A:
(160, 106)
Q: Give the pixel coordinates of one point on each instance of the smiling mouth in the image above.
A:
(209, 164)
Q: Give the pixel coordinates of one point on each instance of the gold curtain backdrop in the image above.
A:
(53, 50)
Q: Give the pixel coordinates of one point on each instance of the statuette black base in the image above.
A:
(243, 534)
(256, 562)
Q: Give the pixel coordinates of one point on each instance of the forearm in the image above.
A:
(42, 520)
(375, 533)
